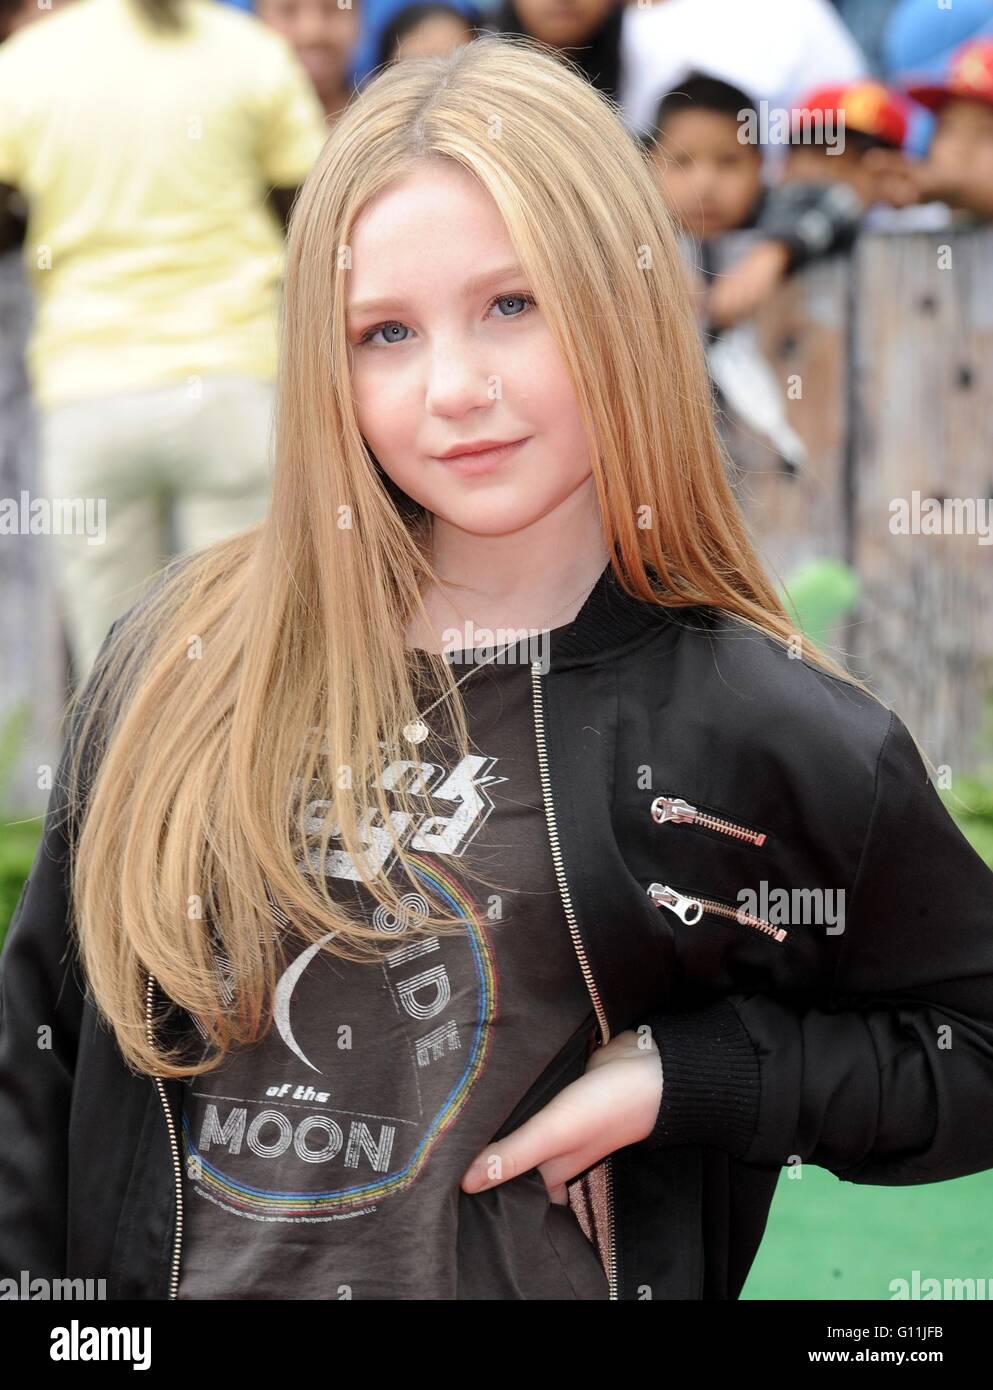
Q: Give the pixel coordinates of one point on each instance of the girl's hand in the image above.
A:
(615, 1102)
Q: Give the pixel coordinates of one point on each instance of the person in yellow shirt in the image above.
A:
(145, 137)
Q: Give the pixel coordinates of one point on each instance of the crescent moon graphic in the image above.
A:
(284, 993)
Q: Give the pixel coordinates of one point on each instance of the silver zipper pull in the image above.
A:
(688, 910)
(680, 812)
(672, 808)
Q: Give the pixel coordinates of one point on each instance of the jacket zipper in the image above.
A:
(691, 909)
(577, 941)
(680, 812)
(178, 1238)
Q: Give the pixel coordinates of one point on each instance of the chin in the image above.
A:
(490, 518)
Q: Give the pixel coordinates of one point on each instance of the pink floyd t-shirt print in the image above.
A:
(325, 1161)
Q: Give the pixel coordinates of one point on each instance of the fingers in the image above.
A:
(601, 1111)
(560, 1171)
(516, 1154)
(556, 1130)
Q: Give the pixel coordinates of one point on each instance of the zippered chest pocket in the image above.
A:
(679, 811)
(690, 908)
(692, 903)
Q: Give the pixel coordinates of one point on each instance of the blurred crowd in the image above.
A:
(150, 152)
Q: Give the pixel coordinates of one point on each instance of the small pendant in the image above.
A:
(416, 732)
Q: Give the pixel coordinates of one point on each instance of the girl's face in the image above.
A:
(455, 353)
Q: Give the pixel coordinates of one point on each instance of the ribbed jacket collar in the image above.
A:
(609, 619)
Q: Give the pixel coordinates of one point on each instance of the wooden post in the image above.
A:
(32, 650)
(922, 378)
(893, 349)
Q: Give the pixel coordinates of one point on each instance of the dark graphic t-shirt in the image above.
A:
(325, 1161)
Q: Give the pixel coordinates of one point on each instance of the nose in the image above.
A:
(460, 378)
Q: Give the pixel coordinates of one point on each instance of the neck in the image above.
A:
(534, 578)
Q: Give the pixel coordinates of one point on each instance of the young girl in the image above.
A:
(424, 846)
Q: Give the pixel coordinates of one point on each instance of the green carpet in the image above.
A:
(832, 1239)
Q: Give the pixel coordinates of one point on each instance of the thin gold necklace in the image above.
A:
(417, 730)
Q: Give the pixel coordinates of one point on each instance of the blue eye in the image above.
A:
(524, 298)
(370, 333)
(380, 327)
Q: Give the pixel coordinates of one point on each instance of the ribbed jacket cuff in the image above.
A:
(710, 1080)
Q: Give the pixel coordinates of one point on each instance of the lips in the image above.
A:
(481, 460)
(478, 446)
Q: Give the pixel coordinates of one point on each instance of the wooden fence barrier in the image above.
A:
(885, 358)
(886, 361)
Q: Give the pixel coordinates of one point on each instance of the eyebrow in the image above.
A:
(471, 287)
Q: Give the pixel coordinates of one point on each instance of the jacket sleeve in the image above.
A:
(811, 219)
(891, 1081)
(41, 1008)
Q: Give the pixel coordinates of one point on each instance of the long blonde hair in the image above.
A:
(202, 713)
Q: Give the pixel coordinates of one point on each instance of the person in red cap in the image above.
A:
(834, 129)
(958, 169)
(827, 185)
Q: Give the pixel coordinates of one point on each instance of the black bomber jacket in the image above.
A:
(752, 863)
